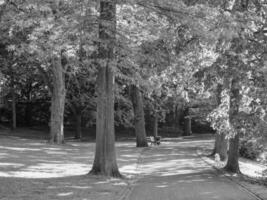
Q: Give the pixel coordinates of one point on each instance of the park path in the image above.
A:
(173, 171)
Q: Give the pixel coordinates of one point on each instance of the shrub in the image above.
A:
(250, 148)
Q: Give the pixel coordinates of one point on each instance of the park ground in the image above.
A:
(177, 169)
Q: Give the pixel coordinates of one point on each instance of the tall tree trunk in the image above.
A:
(233, 154)
(14, 111)
(223, 148)
(155, 125)
(178, 114)
(139, 118)
(220, 146)
(105, 162)
(57, 103)
(221, 143)
(187, 123)
(188, 127)
(77, 112)
(232, 162)
(78, 132)
(13, 105)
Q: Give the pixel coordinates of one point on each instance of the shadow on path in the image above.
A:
(173, 171)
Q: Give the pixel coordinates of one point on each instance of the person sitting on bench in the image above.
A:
(155, 140)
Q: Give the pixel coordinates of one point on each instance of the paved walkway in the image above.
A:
(173, 171)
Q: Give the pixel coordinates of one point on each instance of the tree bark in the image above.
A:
(77, 112)
(14, 111)
(220, 146)
(57, 103)
(78, 117)
(187, 126)
(221, 143)
(105, 162)
(155, 126)
(13, 96)
(187, 123)
(233, 155)
(139, 117)
(232, 162)
(178, 114)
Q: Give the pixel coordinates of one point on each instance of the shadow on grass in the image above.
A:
(71, 187)
(31, 169)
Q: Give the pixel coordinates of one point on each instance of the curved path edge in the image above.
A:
(228, 175)
(125, 193)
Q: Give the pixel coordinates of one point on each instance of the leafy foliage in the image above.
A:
(174, 51)
(251, 148)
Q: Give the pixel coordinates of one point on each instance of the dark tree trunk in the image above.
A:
(232, 162)
(155, 126)
(187, 126)
(139, 117)
(187, 123)
(78, 117)
(105, 155)
(178, 114)
(14, 111)
(221, 143)
(57, 103)
(105, 162)
(233, 154)
(221, 146)
(13, 105)
(77, 113)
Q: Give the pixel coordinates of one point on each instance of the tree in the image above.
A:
(240, 68)
(14, 111)
(214, 80)
(57, 101)
(235, 63)
(221, 142)
(53, 41)
(80, 99)
(105, 156)
(232, 164)
(12, 61)
(139, 118)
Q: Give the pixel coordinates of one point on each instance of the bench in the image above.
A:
(154, 140)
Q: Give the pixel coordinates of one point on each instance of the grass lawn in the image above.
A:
(33, 169)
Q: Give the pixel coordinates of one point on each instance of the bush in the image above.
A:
(250, 148)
